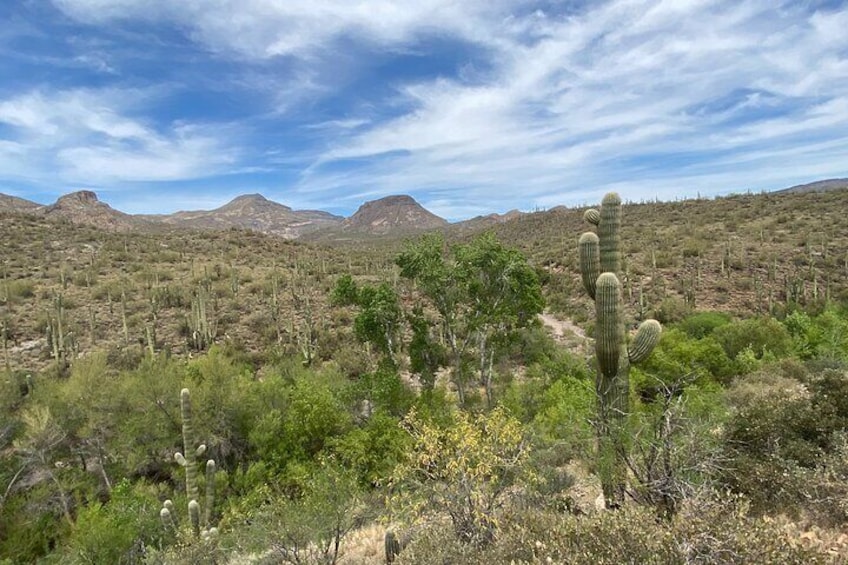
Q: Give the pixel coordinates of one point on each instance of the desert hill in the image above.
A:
(14, 204)
(817, 186)
(392, 213)
(254, 212)
(83, 207)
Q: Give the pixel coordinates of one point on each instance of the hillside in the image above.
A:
(392, 214)
(295, 392)
(818, 186)
(743, 254)
(254, 212)
(15, 204)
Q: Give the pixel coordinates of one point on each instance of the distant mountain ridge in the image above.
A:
(254, 212)
(389, 216)
(15, 204)
(817, 186)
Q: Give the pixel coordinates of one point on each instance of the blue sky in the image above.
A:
(471, 107)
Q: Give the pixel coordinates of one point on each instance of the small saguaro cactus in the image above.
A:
(189, 462)
(394, 544)
(600, 266)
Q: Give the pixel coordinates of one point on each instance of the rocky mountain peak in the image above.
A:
(394, 213)
(78, 198)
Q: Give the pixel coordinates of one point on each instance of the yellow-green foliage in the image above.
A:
(462, 470)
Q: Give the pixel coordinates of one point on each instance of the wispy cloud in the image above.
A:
(83, 136)
(472, 107)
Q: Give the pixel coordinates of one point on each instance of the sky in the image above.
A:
(469, 106)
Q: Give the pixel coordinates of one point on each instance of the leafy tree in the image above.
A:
(380, 317)
(481, 291)
(426, 354)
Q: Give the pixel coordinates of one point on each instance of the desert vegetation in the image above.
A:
(232, 397)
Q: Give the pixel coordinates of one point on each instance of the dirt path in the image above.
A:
(561, 328)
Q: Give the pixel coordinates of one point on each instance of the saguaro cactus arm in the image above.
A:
(647, 337)
(609, 338)
(590, 262)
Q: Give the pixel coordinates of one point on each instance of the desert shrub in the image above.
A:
(463, 470)
(31, 526)
(308, 527)
(759, 334)
(700, 324)
(565, 413)
(526, 397)
(118, 531)
(822, 336)
(671, 310)
(785, 441)
(373, 450)
(18, 289)
(678, 355)
(298, 420)
(226, 407)
(382, 390)
(717, 530)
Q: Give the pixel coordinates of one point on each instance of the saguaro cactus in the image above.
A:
(189, 462)
(600, 266)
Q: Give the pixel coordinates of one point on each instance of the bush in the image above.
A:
(463, 470)
(701, 324)
(786, 444)
(715, 530)
(671, 310)
(761, 335)
(117, 531)
(308, 527)
(678, 355)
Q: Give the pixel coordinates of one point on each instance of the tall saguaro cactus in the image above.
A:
(600, 266)
(189, 462)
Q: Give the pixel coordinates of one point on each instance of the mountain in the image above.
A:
(487, 221)
(83, 207)
(15, 204)
(392, 214)
(254, 212)
(818, 186)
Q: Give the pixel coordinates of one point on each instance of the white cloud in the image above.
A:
(84, 136)
(612, 86)
(268, 28)
(651, 96)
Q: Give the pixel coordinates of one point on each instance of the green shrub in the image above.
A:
(373, 450)
(785, 440)
(700, 324)
(678, 355)
(117, 531)
(759, 334)
(464, 470)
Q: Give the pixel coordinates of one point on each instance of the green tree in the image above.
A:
(481, 291)
(380, 318)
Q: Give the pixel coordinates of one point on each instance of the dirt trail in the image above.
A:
(561, 328)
